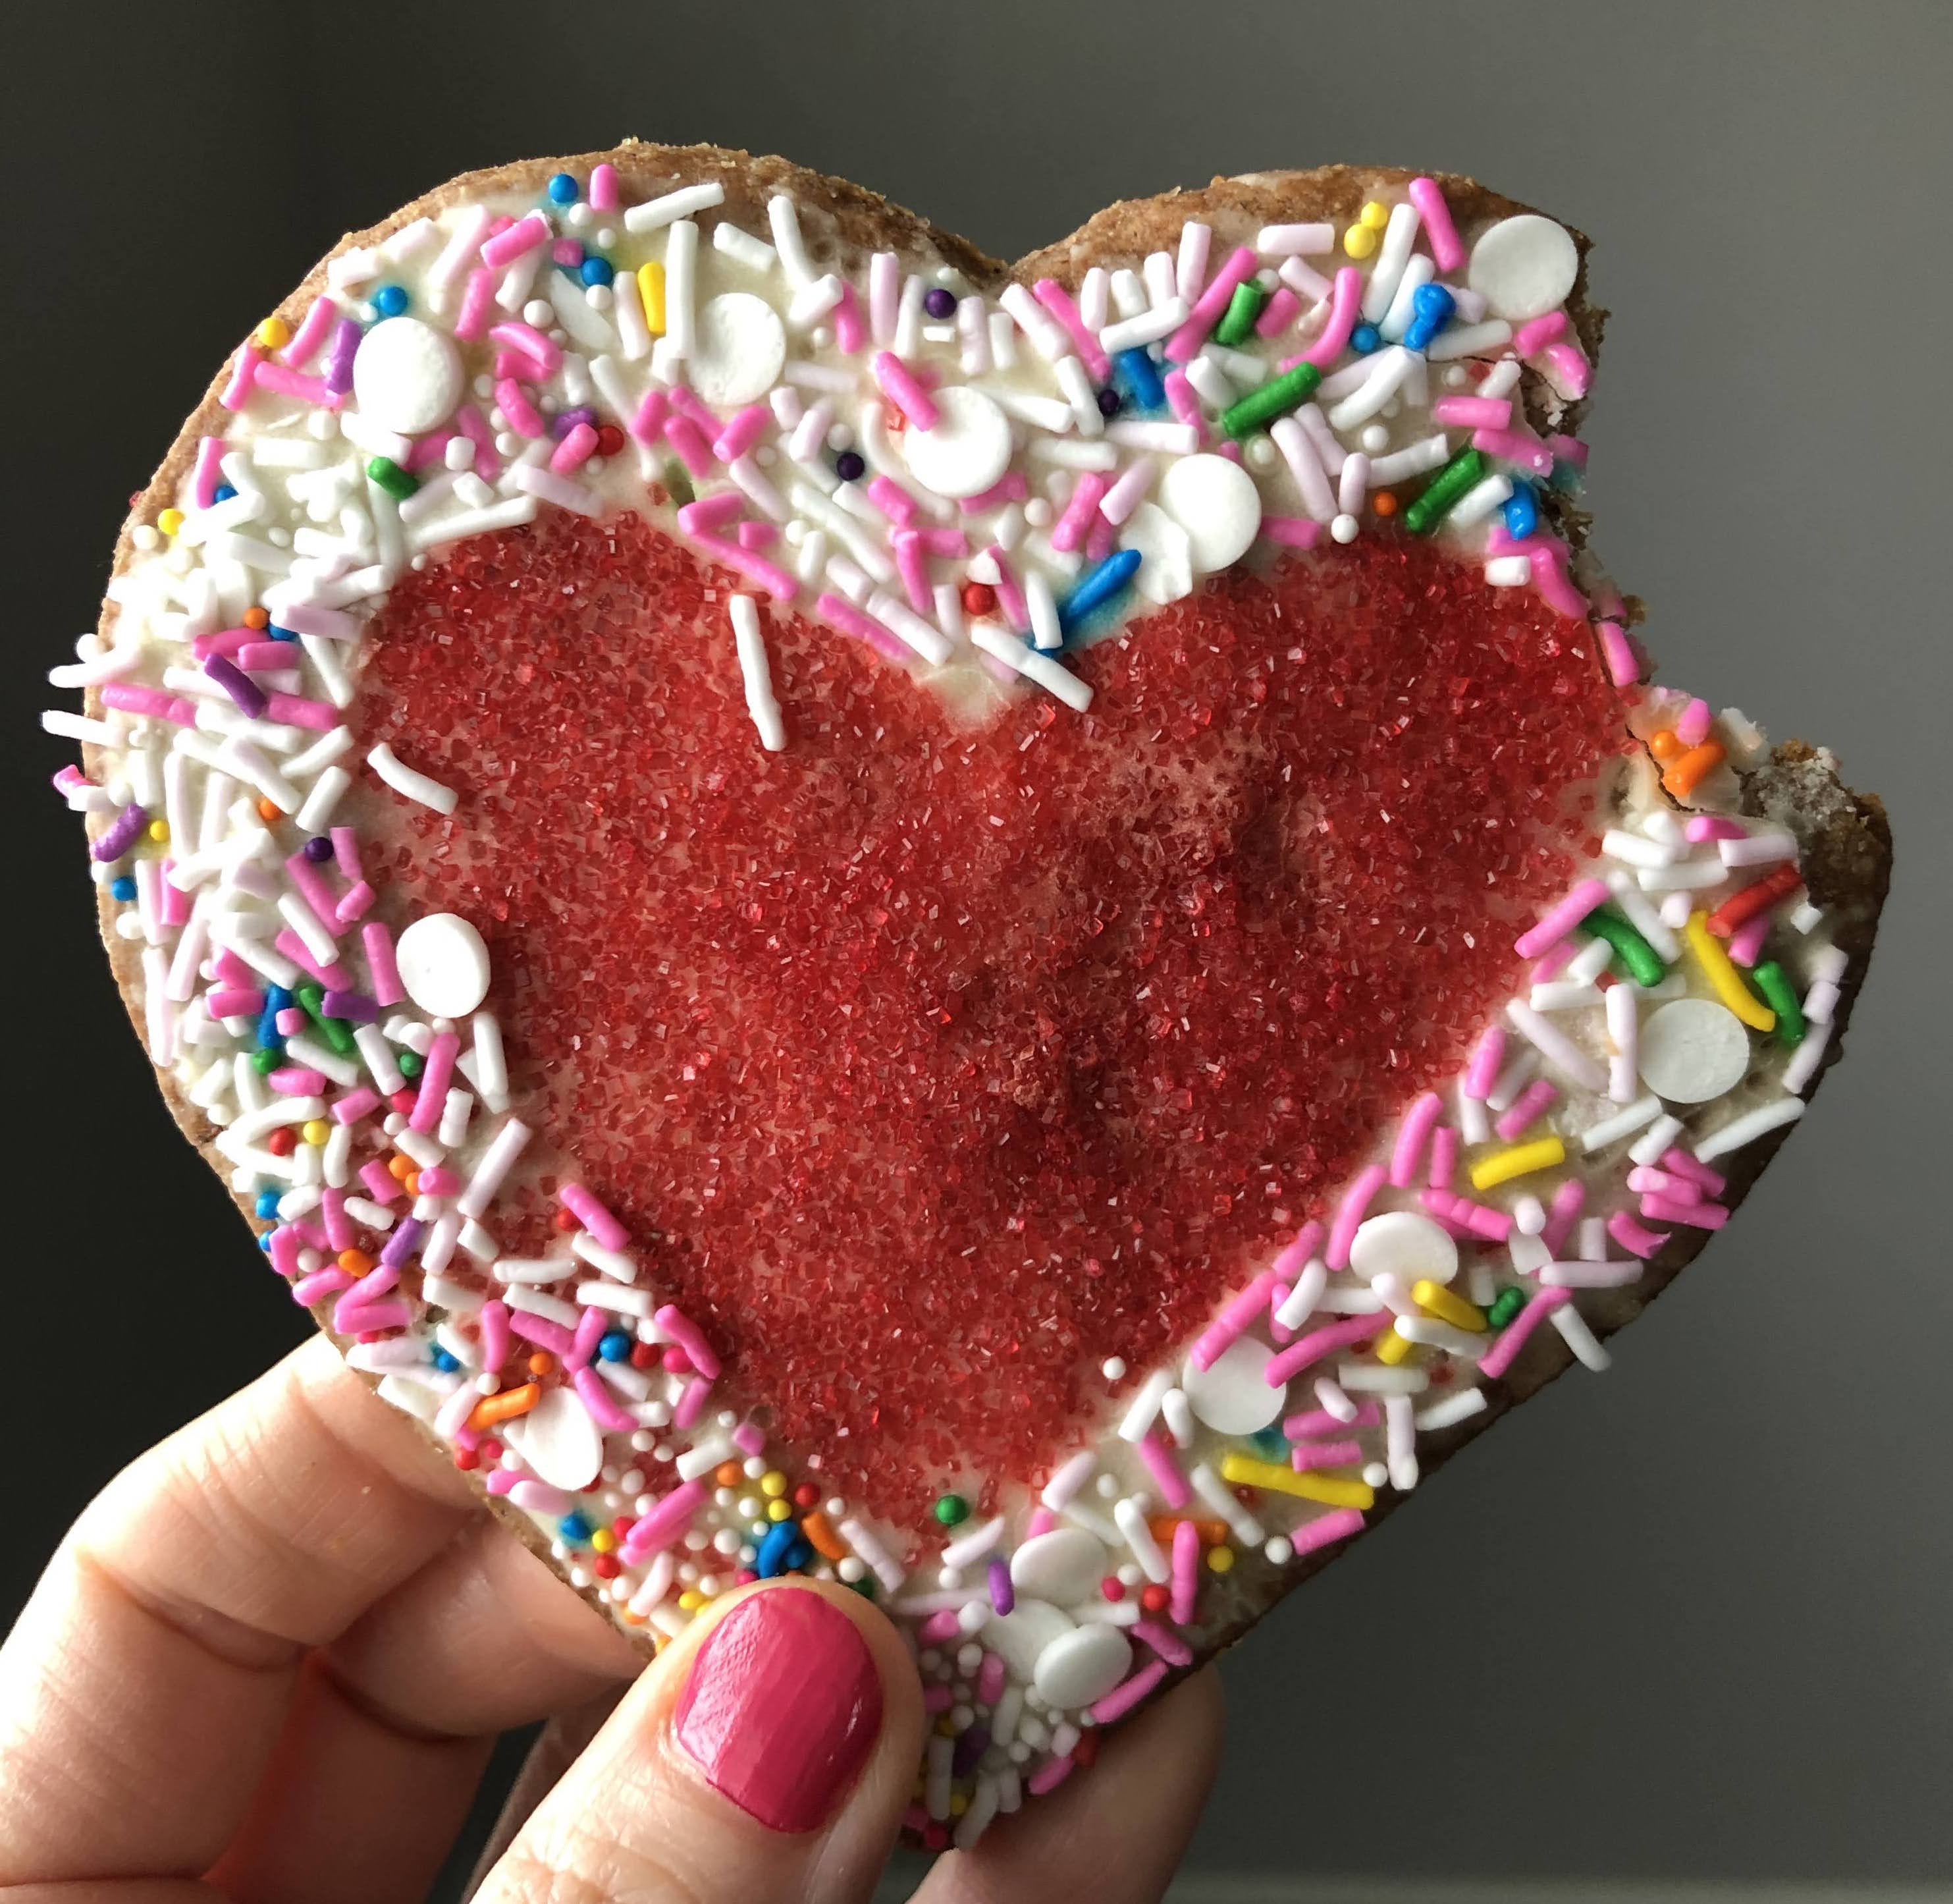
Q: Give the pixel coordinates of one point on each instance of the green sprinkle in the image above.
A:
(266, 1059)
(1275, 398)
(1446, 491)
(1770, 980)
(677, 484)
(951, 1509)
(408, 1063)
(1238, 325)
(1643, 961)
(388, 475)
(1505, 1306)
(865, 1586)
(1270, 1443)
(334, 1031)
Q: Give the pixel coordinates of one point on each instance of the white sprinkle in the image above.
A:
(752, 649)
(1033, 665)
(408, 784)
(1749, 1127)
(673, 205)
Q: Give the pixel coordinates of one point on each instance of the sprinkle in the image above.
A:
(1444, 492)
(409, 784)
(1556, 1047)
(1505, 1351)
(1275, 399)
(1723, 977)
(1240, 1471)
(1751, 1125)
(751, 648)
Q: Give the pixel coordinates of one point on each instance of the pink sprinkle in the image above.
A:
(937, 1698)
(1010, 487)
(539, 1330)
(296, 711)
(1746, 942)
(1472, 412)
(1308, 1350)
(1444, 1142)
(1624, 667)
(1211, 304)
(243, 374)
(599, 1405)
(591, 1327)
(938, 1627)
(386, 988)
(1636, 1238)
(437, 1179)
(743, 430)
(1280, 311)
(1010, 597)
(282, 382)
(894, 501)
(429, 452)
(1556, 962)
(1305, 1455)
(1692, 729)
(297, 1080)
(1504, 1352)
(346, 853)
(523, 416)
(604, 188)
(1050, 1775)
(913, 565)
(1346, 300)
(1319, 1421)
(762, 573)
(284, 1249)
(209, 453)
(290, 1021)
(1573, 373)
(604, 1228)
(334, 977)
(1568, 1202)
(539, 1497)
(437, 1073)
(477, 300)
(850, 620)
(1694, 1216)
(1676, 1159)
(357, 903)
(1057, 300)
(320, 1284)
(756, 536)
(1123, 1698)
(375, 1319)
(233, 1002)
(691, 1403)
(1700, 827)
(1339, 1525)
(310, 334)
(1531, 338)
(1509, 447)
(1042, 1522)
(850, 332)
(474, 425)
(899, 385)
(710, 512)
(1234, 1321)
(521, 237)
(664, 1523)
(578, 446)
(494, 1326)
(685, 436)
(1295, 1253)
(1439, 231)
(1069, 530)
(688, 1337)
(1356, 1200)
(1416, 1126)
(155, 703)
(1182, 400)
(1099, 540)
(990, 1679)
(1489, 1057)
(1173, 1487)
(1290, 531)
(1555, 924)
(382, 1184)
(1531, 1103)
(566, 251)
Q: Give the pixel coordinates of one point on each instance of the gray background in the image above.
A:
(1688, 1620)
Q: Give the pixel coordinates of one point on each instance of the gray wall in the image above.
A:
(1687, 1618)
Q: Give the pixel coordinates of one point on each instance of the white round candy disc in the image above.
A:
(1694, 1049)
(1065, 1565)
(1081, 1666)
(1018, 1637)
(1216, 502)
(558, 1440)
(406, 375)
(968, 450)
(1403, 1244)
(1165, 572)
(1232, 1395)
(443, 964)
(738, 350)
(1523, 267)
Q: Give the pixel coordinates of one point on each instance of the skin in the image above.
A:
(269, 1661)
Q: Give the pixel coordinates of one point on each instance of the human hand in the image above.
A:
(271, 1659)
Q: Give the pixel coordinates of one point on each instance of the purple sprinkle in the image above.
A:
(939, 303)
(1003, 1595)
(565, 421)
(339, 367)
(122, 834)
(317, 849)
(251, 699)
(402, 1243)
(355, 1008)
(971, 1746)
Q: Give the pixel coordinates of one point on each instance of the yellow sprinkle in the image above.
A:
(159, 831)
(1237, 1470)
(778, 1511)
(773, 1485)
(1221, 1559)
(1720, 973)
(690, 1600)
(317, 1130)
(170, 520)
(651, 295)
(1435, 1299)
(274, 334)
(1359, 241)
(1391, 1348)
(945, 1727)
(603, 1540)
(959, 1803)
(1376, 214)
(1520, 1160)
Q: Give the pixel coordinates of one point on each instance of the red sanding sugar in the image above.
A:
(929, 1065)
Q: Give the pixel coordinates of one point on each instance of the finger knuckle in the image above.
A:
(577, 1861)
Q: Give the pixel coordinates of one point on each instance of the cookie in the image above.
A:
(1023, 935)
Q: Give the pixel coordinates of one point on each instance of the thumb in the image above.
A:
(767, 1753)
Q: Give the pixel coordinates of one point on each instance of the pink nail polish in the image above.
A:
(781, 1707)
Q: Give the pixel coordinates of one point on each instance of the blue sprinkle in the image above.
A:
(1434, 307)
(223, 493)
(574, 1529)
(1269, 1443)
(1098, 587)
(445, 1362)
(562, 190)
(1522, 513)
(773, 1557)
(277, 1000)
(123, 889)
(800, 1555)
(1364, 339)
(389, 300)
(615, 1346)
(1142, 378)
(264, 1242)
(278, 634)
(595, 271)
(267, 1204)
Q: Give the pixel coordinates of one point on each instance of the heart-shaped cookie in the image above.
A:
(1020, 935)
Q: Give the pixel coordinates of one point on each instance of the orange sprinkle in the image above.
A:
(823, 1538)
(1383, 502)
(399, 1168)
(1211, 1532)
(728, 1474)
(541, 1363)
(355, 1263)
(504, 1406)
(257, 618)
(1686, 773)
(1664, 746)
(411, 1183)
(268, 811)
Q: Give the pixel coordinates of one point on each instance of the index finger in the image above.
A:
(145, 1684)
